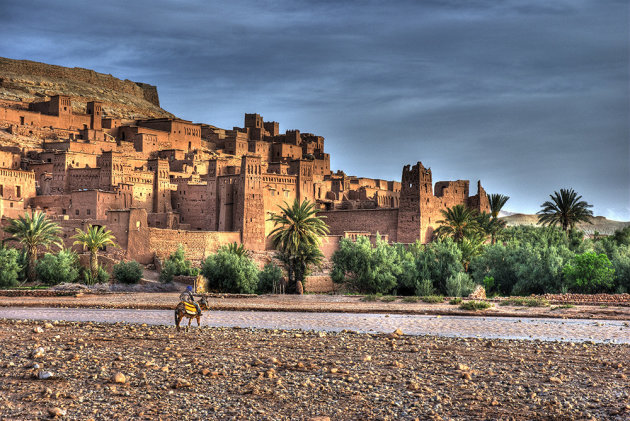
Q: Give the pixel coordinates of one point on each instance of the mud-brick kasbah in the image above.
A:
(160, 182)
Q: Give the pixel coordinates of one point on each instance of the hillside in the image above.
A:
(28, 81)
(599, 223)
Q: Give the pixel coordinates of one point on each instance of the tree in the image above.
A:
(497, 201)
(230, 272)
(53, 269)
(471, 246)
(459, 221)
(93, 239)
(9, 267)
(33, 231)
(177, 265)
(297, 236)
(565, 209)
(490, 227)
(589, 273)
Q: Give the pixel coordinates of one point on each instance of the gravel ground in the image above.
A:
(124, 371)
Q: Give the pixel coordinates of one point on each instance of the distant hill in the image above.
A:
(600, 224)
(29, 81)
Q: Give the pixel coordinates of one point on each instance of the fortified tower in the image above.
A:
(416, 195)
(250, 208)
(161, 185)
(95, 110)
(111, 173)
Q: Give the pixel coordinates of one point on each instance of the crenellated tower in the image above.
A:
(250, 209)
(416, 194)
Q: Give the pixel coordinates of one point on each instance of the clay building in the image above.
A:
(168, 181)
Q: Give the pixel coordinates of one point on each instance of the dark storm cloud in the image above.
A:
(528, 96)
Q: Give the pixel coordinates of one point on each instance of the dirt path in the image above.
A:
(312, 303)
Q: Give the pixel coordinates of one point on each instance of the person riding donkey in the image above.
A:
(187, 297)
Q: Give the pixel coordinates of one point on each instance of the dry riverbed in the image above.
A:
(227, 373)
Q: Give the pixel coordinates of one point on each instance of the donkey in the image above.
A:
(188, 310)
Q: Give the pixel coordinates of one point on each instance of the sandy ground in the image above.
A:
(226, 373)
(313, 303)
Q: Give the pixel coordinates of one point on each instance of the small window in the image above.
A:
(76, 212)
(63, 211)
(88, 211)
(18, 191)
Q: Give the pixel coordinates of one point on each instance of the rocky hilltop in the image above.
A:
(24, 80)
(599, 223)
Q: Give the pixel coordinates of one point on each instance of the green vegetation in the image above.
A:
(475, 305)
(389, 299)
(227, 271)
(297, 236)
(127, 272)
(9, 267)
(590, 273)
(269, 278)
(565, 209)
(32, 232)
(53, 269)
(93, 239)
(371, 297)
(459, 222)
(563, 306)
(101, 276)
(410, 299)
(459, 285)
(177, 265)
(527, 302)
(455, 301)
(432, 299)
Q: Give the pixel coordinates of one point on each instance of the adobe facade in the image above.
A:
(172, 181)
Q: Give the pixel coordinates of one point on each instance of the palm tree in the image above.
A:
(471, 246)
(489, 226)
(565, 209)
(33, 231)
(497, 201)
(296, 235)
(237, 249)
(94, 239)
(459, 221)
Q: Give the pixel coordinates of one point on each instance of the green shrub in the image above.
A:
(432, 299)
(367, 268)
(53, 269)
(459, 285)
(177, 265)
(528, 302)
(455, 301)
(589, 273)
(9, 268)
(410, 299)
(389, 298)
(424, 288)
(475, 305)
(101, 277)
(127, 272)
(269, 277)
(488, 284)
(230, 272)
(371, 297)
(439, 261)
(560, 307)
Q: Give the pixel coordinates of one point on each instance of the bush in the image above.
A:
(127, 272)
(9, 268)
(410, 299)
(439, 261)
(230, 272)
(590, 273)
(389, 299)
(366, 268)
(455, 301)
(529, 302)
(459, 285)
(425, 288)
(432, 299)
(101, 277)
(177, 265)
(371, 297)
(53, 269)
(269, 278)
(475, 305)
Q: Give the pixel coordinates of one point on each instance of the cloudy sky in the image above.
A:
(527, 96)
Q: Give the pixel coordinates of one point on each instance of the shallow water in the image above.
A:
(574, 330)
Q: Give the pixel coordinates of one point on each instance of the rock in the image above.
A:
(37, 352)
(44, 375)
(466, 376)
(119, 377)
(319, 418)
(38, 329)
(57, 412)
(398, 332)
(463, 367)
(478, 294)
(48, 325)
(554, 380)
(367, 358)
(181, 383)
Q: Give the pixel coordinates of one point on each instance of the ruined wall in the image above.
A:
(383, 221)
